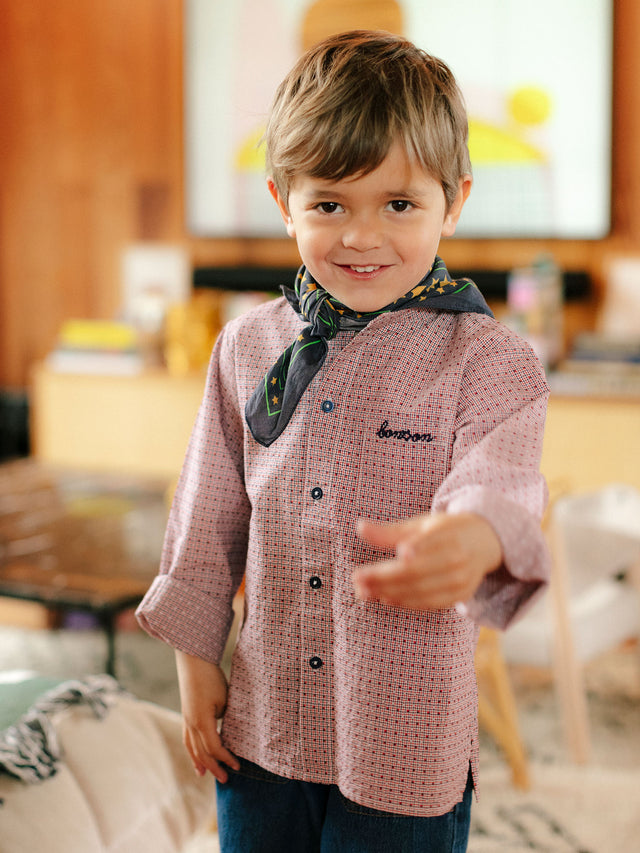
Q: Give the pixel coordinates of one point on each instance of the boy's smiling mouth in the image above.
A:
(363, 270)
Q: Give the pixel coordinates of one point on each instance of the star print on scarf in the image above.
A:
(270, 407)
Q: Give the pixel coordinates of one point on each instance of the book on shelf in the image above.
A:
(612, 349)
(599, 365)
(97, 347)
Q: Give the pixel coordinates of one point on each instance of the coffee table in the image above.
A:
(79, 542)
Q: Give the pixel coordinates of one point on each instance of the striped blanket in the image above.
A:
(30, 749)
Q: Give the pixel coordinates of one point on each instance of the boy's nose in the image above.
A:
(362, 234)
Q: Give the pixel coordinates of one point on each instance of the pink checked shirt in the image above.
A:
(420, 411)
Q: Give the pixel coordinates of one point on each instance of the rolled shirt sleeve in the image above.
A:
(189, 605)
(495, 471)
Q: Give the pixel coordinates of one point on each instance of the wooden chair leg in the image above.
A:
(497, 710)
(567, 669)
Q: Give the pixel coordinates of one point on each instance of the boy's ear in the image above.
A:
(284, 210)
(453, 214)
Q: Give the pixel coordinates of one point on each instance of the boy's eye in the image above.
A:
(328, 206)
(399, 205)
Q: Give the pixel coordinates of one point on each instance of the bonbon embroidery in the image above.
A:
(402, 434)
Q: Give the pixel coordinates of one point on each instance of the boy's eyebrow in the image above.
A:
(333, 192)
(321, 192)
(404, 192)
(322, 189)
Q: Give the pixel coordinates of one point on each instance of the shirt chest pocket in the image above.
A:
(403, 460)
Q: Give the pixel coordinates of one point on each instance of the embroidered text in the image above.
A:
(402, 434)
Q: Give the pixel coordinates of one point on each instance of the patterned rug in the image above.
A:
(567, 810)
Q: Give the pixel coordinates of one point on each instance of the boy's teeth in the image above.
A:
(364, 269)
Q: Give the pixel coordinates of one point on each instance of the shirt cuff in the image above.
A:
(507, 593)
(186, 618)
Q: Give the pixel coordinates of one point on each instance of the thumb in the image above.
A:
(385, 535)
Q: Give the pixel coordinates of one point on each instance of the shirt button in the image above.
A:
(316, 493)
(327, 405)
(315, 582)
(315, 663)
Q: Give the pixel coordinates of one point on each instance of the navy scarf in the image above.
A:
(273, 402)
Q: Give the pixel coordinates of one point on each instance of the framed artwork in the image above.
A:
(536, 78)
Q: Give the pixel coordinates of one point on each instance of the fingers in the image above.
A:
(440, 560)
(415, 577)
(413, 583)
(190, 741)
(387, 535)
(208, 753)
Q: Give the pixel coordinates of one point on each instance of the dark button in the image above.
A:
(315, 663)
(315, 582)
(316, 493)
(327, 405)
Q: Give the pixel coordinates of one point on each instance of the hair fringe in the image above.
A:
(342, 106)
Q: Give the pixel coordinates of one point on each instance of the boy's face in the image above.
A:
(368, 240)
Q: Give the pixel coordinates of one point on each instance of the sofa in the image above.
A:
(88, 768)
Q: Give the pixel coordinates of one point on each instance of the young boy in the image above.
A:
(366, 455)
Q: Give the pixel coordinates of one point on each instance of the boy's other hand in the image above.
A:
(203, 695)
(440, 560)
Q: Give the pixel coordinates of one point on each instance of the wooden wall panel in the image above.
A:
(91, 159)
(626, 124)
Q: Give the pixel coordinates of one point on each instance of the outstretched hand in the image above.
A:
(440, 560)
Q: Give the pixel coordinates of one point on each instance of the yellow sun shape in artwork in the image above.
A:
(527, 107)
(530, 105)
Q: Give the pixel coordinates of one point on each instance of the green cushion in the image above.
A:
(16, 697)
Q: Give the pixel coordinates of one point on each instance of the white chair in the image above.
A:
(594, 599)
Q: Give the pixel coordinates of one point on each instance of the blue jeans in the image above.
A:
(259, 812)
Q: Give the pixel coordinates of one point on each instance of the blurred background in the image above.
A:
(93, 150)
(133, 224)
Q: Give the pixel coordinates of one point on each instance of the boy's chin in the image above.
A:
(362, 300)
(363, 305)
(366, 308)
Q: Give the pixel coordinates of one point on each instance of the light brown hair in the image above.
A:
(347, 99)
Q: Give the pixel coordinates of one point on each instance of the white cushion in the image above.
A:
(126, 785)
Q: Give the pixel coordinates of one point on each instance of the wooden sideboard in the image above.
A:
(136, 424)
(141, 425)
(590, 442)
